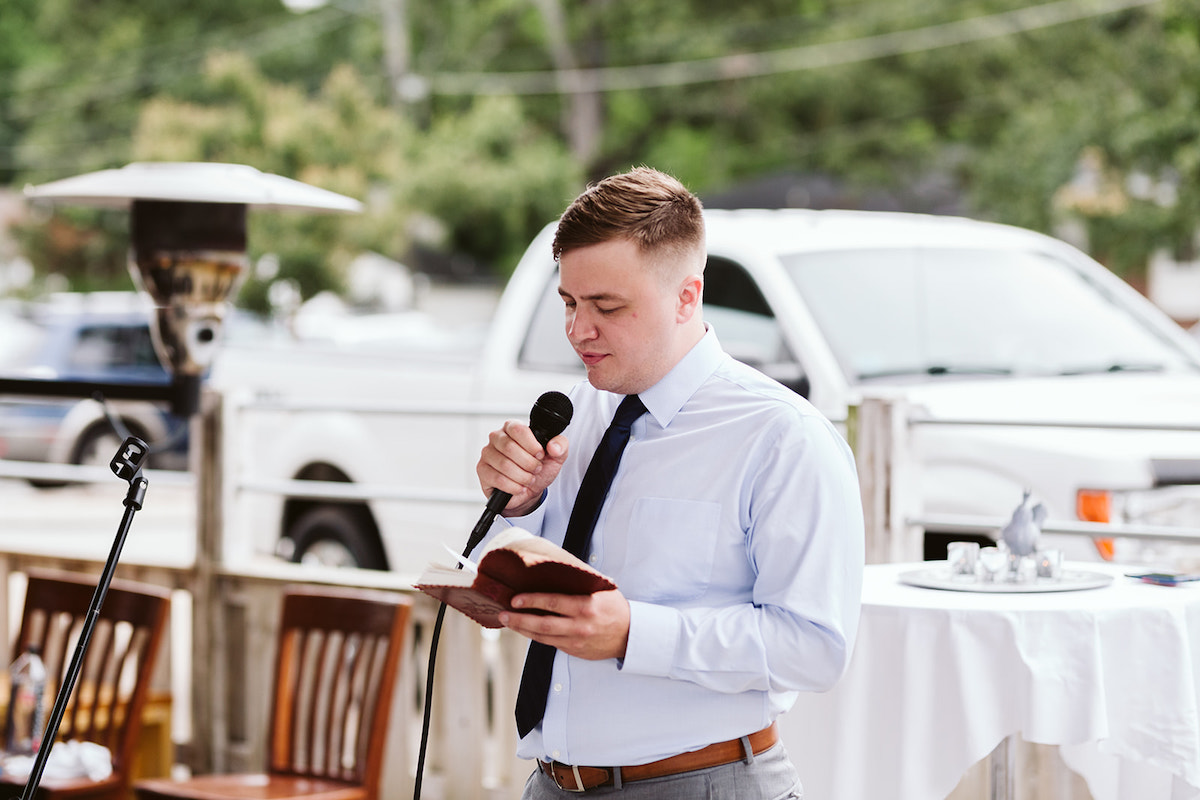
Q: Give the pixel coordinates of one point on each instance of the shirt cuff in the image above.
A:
(537, 507)
(653, 636)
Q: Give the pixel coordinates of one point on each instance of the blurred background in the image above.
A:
(466, 126)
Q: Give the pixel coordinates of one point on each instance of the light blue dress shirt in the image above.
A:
(734, 528)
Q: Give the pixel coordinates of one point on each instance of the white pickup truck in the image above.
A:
(963, 319)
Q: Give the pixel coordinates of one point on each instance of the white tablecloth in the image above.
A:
(939, 678)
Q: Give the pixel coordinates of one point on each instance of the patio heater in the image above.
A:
(188, 253)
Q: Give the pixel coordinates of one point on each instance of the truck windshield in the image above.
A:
(923, 312)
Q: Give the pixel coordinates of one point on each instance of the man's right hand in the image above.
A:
(514, 462)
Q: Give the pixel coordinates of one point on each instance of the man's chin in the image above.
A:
(599, 380)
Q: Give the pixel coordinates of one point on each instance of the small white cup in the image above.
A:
(1049, 564)
(993, 564)
(963, 558)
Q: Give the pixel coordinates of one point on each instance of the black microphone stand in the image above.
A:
(126, 464)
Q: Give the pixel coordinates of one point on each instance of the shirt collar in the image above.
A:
(664, 399)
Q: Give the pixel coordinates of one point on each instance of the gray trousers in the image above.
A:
(771, 776)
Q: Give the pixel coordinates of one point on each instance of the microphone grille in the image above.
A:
(550, 416)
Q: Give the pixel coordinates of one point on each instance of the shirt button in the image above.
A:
(593, 558)
(555, 755)
(558, 687)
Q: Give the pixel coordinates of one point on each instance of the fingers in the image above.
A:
(587, 626)
(514, 462)
(505, 464)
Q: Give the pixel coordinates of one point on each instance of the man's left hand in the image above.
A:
(592, 627)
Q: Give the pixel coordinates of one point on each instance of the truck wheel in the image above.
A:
(333, 536)
(96, 446)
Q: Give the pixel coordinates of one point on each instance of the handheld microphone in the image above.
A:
(548, 418)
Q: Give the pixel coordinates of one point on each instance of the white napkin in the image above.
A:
(73, 759)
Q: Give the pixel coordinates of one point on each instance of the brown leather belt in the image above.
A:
(579, 779)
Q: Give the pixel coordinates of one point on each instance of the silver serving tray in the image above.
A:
(1069, 580)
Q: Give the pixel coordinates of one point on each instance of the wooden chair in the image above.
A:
(337, 660)
(114, 680)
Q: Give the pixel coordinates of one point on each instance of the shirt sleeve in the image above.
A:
(805, 542)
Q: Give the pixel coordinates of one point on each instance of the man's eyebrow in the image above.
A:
(601, 296)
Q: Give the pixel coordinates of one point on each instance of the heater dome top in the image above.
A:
(199, 182)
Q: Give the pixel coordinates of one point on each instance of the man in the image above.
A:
(732, 527)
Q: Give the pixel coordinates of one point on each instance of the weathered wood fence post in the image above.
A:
(878, 432)
(208, 647)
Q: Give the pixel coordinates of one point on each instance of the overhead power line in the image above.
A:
(773, 62)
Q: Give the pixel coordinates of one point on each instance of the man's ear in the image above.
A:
(690, 292)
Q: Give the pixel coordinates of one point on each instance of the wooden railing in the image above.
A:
(223, 632)
(219, 662)
(224, 617)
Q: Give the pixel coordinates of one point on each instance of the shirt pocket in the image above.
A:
(670, 552)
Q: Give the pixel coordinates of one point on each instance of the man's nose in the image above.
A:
(580, 327)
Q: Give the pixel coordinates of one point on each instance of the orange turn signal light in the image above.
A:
(1095, 505)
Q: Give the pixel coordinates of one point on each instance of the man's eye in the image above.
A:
(604, 310)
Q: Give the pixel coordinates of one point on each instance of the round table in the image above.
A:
(939, 679)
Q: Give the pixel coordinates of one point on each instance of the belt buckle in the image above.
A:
(578, 789)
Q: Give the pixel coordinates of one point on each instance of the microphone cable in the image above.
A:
(549, 417)
(433, 646)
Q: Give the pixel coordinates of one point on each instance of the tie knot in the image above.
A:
(630, 409)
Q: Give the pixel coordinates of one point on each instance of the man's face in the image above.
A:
(622, 315)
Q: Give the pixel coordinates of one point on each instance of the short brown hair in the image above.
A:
(646, 206)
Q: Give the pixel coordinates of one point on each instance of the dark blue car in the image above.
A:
(97, 337)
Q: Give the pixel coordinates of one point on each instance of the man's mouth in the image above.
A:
(591, 359)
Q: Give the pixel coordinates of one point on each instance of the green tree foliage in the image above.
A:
(1111, 142)
(75, 77)
(1042, 113)
(485, 177)
(91, 66)
(87, 247)
(493, 178)
(243, 118)
(477, 182)
(18, 47)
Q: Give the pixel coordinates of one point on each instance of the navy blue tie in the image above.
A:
(539, 661)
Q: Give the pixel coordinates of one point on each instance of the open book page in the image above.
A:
(510, 536)
(533, 549)
(465, 563)
(464, 573)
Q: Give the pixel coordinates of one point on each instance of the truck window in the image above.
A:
(745, 324)
(952, 311)
(546, 348)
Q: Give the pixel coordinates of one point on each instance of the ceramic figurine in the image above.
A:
(1022, 531)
